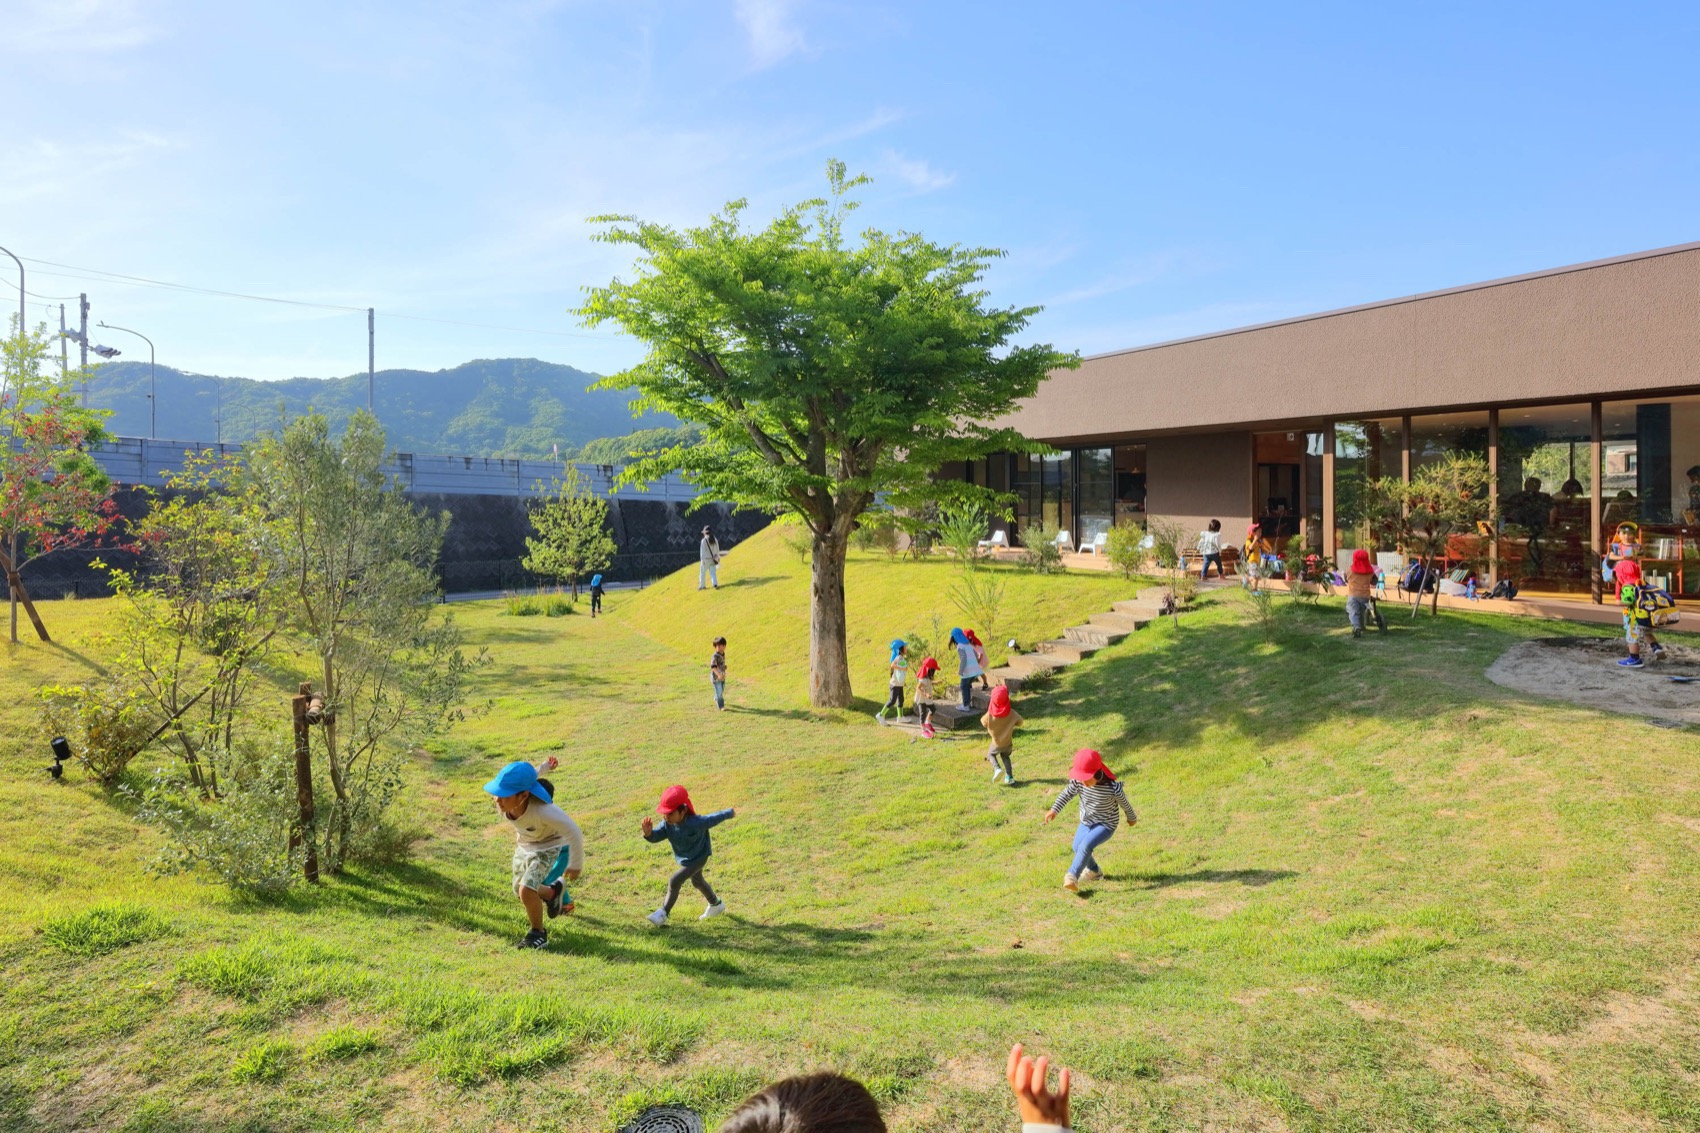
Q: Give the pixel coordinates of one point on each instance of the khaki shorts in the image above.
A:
(531, 867)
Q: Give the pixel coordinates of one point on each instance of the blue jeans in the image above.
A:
(1208, 559)
(1086, 839)
(719, 694)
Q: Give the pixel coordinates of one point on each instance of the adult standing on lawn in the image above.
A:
(708, 559)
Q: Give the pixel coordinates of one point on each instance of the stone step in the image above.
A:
(1097, 635)
(1029, 663)
(1138, 608)
(1153, 594)
(1065, 651)
(1126, 623)
(952, 716)
(1007, 676)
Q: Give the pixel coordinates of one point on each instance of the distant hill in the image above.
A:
(491, 407)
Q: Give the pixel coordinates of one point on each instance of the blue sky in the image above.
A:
(1152, 170)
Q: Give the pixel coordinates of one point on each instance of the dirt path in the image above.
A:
(1585, 671)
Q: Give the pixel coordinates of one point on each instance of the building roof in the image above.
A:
(1617, 326)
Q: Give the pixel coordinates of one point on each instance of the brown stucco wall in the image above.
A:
(1201, 477)
(1615, 327)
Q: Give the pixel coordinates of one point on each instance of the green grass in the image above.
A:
(1368, 891)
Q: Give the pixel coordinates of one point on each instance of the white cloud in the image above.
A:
(772, 31)
(75, 26)
(915, 172)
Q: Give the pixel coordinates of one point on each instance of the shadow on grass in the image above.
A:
(757, 580)
(1251, 878)
(782, 713)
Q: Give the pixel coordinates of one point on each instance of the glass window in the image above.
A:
(1545, 481)
(1130, 483)
(1364, 451)
(1650, 476)
(1438, 434)
(1097, 493)
(1279, 499)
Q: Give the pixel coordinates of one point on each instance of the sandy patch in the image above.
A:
(1585, 671)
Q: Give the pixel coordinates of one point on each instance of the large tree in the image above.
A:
(826, 372)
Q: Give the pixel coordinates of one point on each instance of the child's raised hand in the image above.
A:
(1033, 1099)
(551, 763)
(648, 824)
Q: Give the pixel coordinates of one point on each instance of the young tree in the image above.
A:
(1446, 498)
(355, 559)
(825, 372)
(572, 539)
(53, 494)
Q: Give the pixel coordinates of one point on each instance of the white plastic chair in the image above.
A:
(998, 542)
(1096, 547)
(1065, 541)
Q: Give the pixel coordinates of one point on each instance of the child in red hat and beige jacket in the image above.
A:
(1001, 721)
(1102, 803)
(688, 832)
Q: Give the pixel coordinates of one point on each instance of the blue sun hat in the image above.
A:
(896, 647)
(595, 581)
(513, 779)
(957, 637)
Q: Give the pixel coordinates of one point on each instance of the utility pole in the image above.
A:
(371, 354)
(64, 360)
(83, 302)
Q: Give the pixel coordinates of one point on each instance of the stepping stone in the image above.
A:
(1098, 635)
(1065, 651)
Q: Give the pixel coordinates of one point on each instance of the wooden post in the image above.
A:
(1493, 495)
(1330, 542)
(303, 834)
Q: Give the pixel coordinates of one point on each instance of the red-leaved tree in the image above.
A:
(53, 495)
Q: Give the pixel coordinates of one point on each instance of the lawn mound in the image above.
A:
(1584, 670)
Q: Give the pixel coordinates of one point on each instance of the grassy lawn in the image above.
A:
(1368, 891)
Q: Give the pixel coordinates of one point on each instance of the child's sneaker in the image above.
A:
(1071, 883)
(536, 938)
(1091, 875)
(1631, 663)
(713, 911)
(997, 773)
(879, 717)
(927, 729)
(552, 903)
(1658, 653)
(1008, 780)
(658, 918)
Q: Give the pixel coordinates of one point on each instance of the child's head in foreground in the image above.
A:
(515, 786)
(812, 1103)
(675, 805)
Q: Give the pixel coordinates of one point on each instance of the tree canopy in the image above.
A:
(826, 372)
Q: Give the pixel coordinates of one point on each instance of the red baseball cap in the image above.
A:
(1000, 701)
(673, 798)
(1088, 763)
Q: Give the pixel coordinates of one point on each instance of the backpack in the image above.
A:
(1415, 579)
(1504, 588)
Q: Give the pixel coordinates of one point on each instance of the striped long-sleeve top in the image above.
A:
(1099, 805)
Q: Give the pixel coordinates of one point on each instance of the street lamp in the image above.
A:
(153, 402)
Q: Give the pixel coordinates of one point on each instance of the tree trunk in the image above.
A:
(829, 658)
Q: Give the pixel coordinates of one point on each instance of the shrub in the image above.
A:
(106, 720)
(242, 837)
(1266, 616)
(104, 928)
(961, 526)
(1039, 551)
(979, 596)
(1125, 548)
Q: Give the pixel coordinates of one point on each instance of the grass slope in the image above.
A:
(1369, 891)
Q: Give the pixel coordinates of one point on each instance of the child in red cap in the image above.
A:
(1102, 804)
(924, 693)
(688, 832)
(1001, 721)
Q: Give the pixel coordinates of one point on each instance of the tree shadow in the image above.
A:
(782, 713)
(81, 658)
(757, 580)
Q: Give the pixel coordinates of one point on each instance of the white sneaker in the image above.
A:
(658, 918)
(713, 910)
(1071, 883)
(879, 716)
(997, 773)
(1091, 875)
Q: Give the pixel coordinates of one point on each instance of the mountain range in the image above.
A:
(490, 407)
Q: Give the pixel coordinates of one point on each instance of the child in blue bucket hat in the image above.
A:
(549, 845)
(899, 669)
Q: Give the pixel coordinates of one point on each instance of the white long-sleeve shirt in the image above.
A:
(545, 826)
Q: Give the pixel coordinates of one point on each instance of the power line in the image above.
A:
(97, 275)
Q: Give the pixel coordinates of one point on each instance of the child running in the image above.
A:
(1360, 586)
(967, 665)
(595, 594)
(899, 669)
(717, 672)
(924, 693)
(1638, 606)
(548, 845)
(688, 832)
(1102, 803)
(1001, 721)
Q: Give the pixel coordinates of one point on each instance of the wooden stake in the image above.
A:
(303, 834)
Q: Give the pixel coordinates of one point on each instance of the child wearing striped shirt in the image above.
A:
(1102, 803)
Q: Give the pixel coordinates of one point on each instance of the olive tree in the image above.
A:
(826, 371)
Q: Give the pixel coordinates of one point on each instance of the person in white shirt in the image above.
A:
(548, 845)
(1210, 546)
(708, 559)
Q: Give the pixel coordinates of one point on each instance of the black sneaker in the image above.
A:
(552, 903)
(536, 938)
